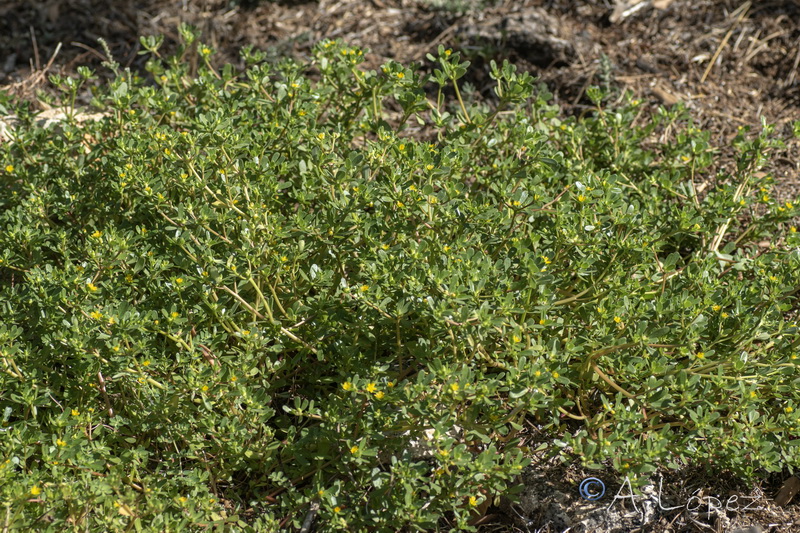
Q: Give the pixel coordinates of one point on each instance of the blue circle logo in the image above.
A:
(592, 489)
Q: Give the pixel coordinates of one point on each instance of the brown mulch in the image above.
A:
(732, 62)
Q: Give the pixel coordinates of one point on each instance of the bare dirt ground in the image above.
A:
(731, 62)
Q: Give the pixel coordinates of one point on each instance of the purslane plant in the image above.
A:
(242, 296)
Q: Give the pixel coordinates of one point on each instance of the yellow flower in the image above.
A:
(701, 355)
(617, 319)
(447, 52)
(204, 388)
(175, 314)
(581, 198)
(473, 501)
(96, 315)
(97, 234)
(167, 151)
(9, 168)
(542, 321)
(75, 412)
(379, 395)
(402, 147)
(337, 509)
(555, 375)
(347, 386)
(788, 409)
(390, 384)
(234, 378)
(145, 363)
(716, 308)
(400, 204)
(546, 260)
(724, 315)
(371, 387)
(384, 246)
(178, 280)
(538, 373)
(91, 287)
(400, 76)
(454, 387)
(60, 442)
(429, 167)
(354, 450)
(793, 229)
(183, 499)
(364, 288)
(35, 491)
(321, 136)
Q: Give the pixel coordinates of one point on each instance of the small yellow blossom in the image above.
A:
(538, 373)
(390, 384)
(379, 395)
(789, 409)
(183, 499)
(617, 319)
(517, 338)
(473, 501)
(178, 280)
(9, 168)
(454, 387)
(35, 490)
(321, 136)
(145, 363)
(715, 308)
(175, 314)
(337, 509)
(384, 246)
(97, 234)
(354, 450)
(233, 379)
(701, 355)
(371, 387)
(555, 375)
(793, 229)
(724, 315)
(400, 75)
(204, 388)
(429, 167)
(75, 412)
(546, 260)
(364, 288)
(542, 321)
(91, 287)
(581, 198)
(447, 52)
(97, 315)
(60, 442)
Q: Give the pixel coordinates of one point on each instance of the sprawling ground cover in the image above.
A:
(241, 295)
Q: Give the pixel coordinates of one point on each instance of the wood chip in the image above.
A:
(787, 492)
